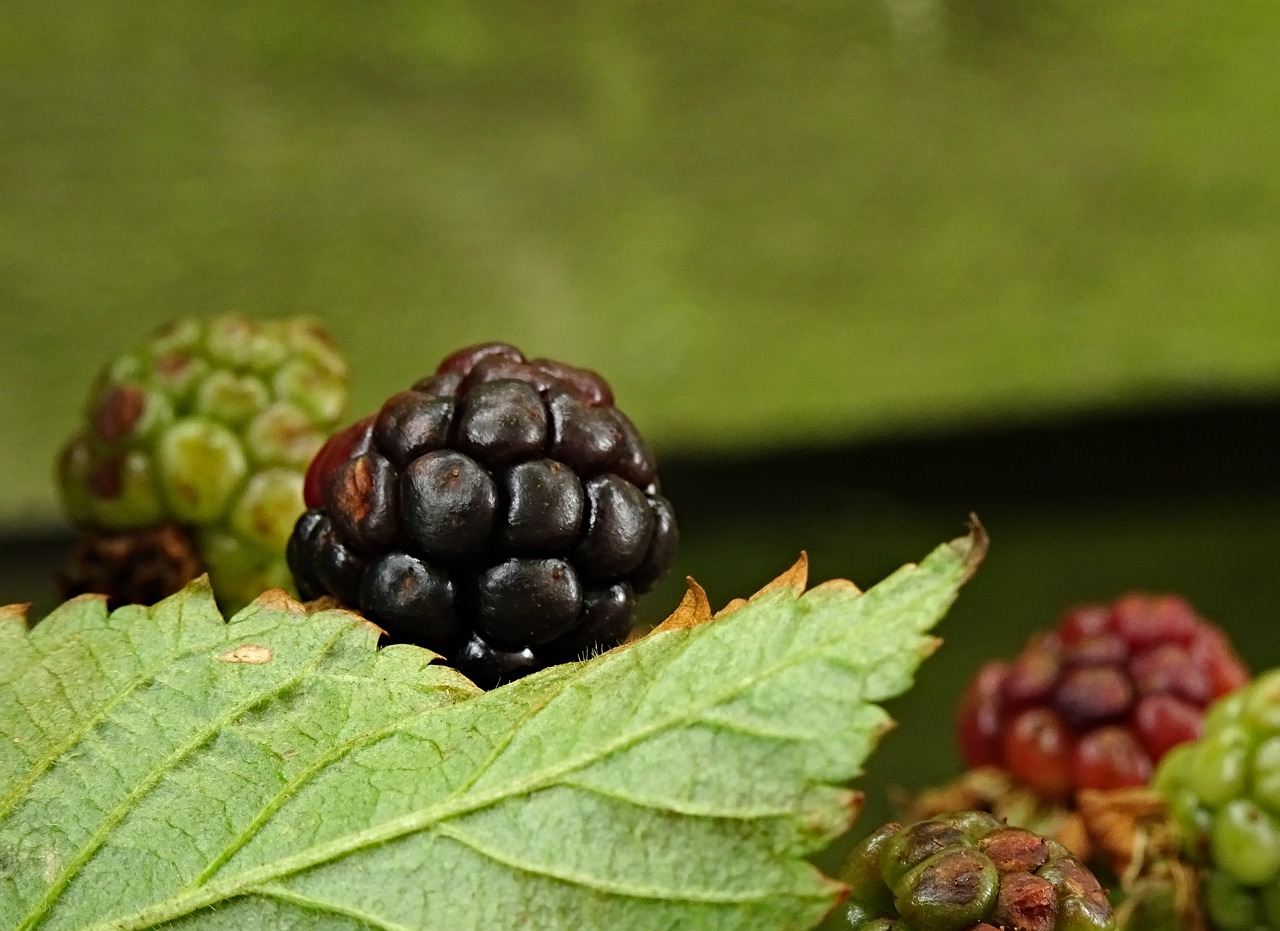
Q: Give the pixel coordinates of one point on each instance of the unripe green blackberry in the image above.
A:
(503, 512)
(966, 871)
(205, 430)
(1224, 792)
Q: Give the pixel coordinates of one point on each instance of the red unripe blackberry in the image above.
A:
(1097, 702)
(501, 512)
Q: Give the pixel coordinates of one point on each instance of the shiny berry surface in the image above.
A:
(1099, 700)
(501, 512)
(337, 449)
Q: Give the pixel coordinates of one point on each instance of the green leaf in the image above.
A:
(277, 771)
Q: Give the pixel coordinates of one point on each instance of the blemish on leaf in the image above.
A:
(253, 654)
(52, 866)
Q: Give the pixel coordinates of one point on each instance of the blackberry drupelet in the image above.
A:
(1097, 702)
(193, 457)
(966, 871)
(502, 512)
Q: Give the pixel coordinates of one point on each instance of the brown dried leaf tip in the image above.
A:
(695, 607)
(977, 544)
(13, 618)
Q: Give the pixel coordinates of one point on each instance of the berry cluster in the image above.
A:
(967, 871)
(207, 428)
(1224, 792)
(1095, 703)
(502, 512)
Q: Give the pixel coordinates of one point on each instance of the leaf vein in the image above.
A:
(122, 809)
(285, 894)
(291, 788)
(683, 806)
(9, 801)
(629, 890)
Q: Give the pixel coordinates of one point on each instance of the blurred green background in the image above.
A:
(1023, 258)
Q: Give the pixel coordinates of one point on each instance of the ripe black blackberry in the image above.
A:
(502, 512)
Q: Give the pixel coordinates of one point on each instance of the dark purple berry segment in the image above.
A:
(412, 423)
(632, 459)
(544, 506)
(619, 528)
(584, 383)
(605, 622)
(488, 666)
(662, 546)
(502, 512)
(337, 566)
(412, 599)
(464, 360)
(363, 490)
(585, 438)
(439, 386)
(300, 550)
(502, 422)
(448, 501)
(527, 601)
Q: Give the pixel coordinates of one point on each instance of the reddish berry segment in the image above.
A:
(1038, 747)
(1097, 702)
(978, 724)
(1110, 758)
(337, 449)
(501, 512)
(1161, 722)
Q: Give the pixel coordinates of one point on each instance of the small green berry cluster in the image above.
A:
(1224, 791)
(210, 425)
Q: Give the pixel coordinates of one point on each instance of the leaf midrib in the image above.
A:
(451, 807)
